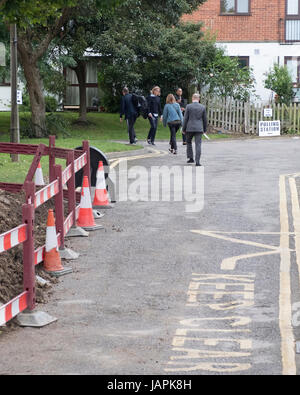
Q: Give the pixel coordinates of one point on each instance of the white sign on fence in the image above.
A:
(19, 97)
(268, 112)
(269, 128)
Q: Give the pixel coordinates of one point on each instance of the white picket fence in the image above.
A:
(233, 116)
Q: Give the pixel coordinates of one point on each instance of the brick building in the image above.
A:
(260, 33)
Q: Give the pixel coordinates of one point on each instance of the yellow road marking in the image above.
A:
(285, 310)
(153, 154)
(233, 240)
(285, 306)
(296, 218)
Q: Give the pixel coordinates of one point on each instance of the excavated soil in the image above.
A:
(11, 262)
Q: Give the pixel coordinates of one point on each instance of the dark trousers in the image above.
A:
(183, 138)
(153, 128)
(198, 144)
(173, 131)
(130, 127)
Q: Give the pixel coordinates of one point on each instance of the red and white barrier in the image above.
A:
(13, 238)
(13, 308)
(46, 194)
(67, 174)
(80, 162)
(25, 232)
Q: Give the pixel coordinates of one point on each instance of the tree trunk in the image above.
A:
(29, 56)
(35, 90)
(80, 71)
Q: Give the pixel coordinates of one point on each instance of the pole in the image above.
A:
(14, 120)
(28, 245)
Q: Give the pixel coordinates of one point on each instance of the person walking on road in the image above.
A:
(181, 102)
(172, 116)
(128, 109)
(194, 125)
(154, 112)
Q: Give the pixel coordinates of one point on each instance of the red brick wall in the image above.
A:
(263, 24)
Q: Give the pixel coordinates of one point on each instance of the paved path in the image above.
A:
(163, 291)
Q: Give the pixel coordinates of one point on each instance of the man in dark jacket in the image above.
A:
(154, 112)
(194, 125)
(128, 109)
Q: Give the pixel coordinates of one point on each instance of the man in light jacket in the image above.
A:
(194, 125)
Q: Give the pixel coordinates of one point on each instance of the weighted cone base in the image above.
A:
(35, 319)
(67, 253)
(76, 231)
(97, 214)
(106, 207)
(59, 273)
(92, 228)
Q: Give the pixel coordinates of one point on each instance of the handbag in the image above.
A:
(177, 122)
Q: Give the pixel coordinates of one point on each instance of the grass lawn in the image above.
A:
(104, 132)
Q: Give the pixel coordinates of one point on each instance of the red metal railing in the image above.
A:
(24, 234)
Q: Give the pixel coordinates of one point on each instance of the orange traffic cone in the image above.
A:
(86, 217)
(39, 179)
(101, 195)
(52, 260)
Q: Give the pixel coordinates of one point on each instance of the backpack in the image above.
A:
(140, 104)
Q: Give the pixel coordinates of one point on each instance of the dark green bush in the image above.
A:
(51, 104)
(56, 125)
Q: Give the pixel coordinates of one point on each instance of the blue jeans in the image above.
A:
(153, 128)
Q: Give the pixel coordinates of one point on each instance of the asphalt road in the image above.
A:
(165, 291)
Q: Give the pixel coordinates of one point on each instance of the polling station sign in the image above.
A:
(269, 128)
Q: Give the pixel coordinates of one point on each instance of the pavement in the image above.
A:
(164, 291)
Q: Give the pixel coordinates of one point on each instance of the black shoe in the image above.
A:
(152, 144)
(171, 150)
(149, 141)
(198, 164)
(184, 143)
(174, 152)
(190, 161)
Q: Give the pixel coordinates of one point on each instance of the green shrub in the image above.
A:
(56, 125)
(51, 104)
(279, 81)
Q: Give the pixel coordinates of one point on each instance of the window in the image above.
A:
(242, 60)
(292, 23)
(72, 91)
(235, 7)
(4, 78)
(293, 65)
(292, 8)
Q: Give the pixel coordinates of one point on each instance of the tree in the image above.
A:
(226, 78)
(39, 22)
(146, 44)
(280, 81)
(81, 32)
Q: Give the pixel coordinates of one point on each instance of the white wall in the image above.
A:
(4, 98)
(262, 56)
